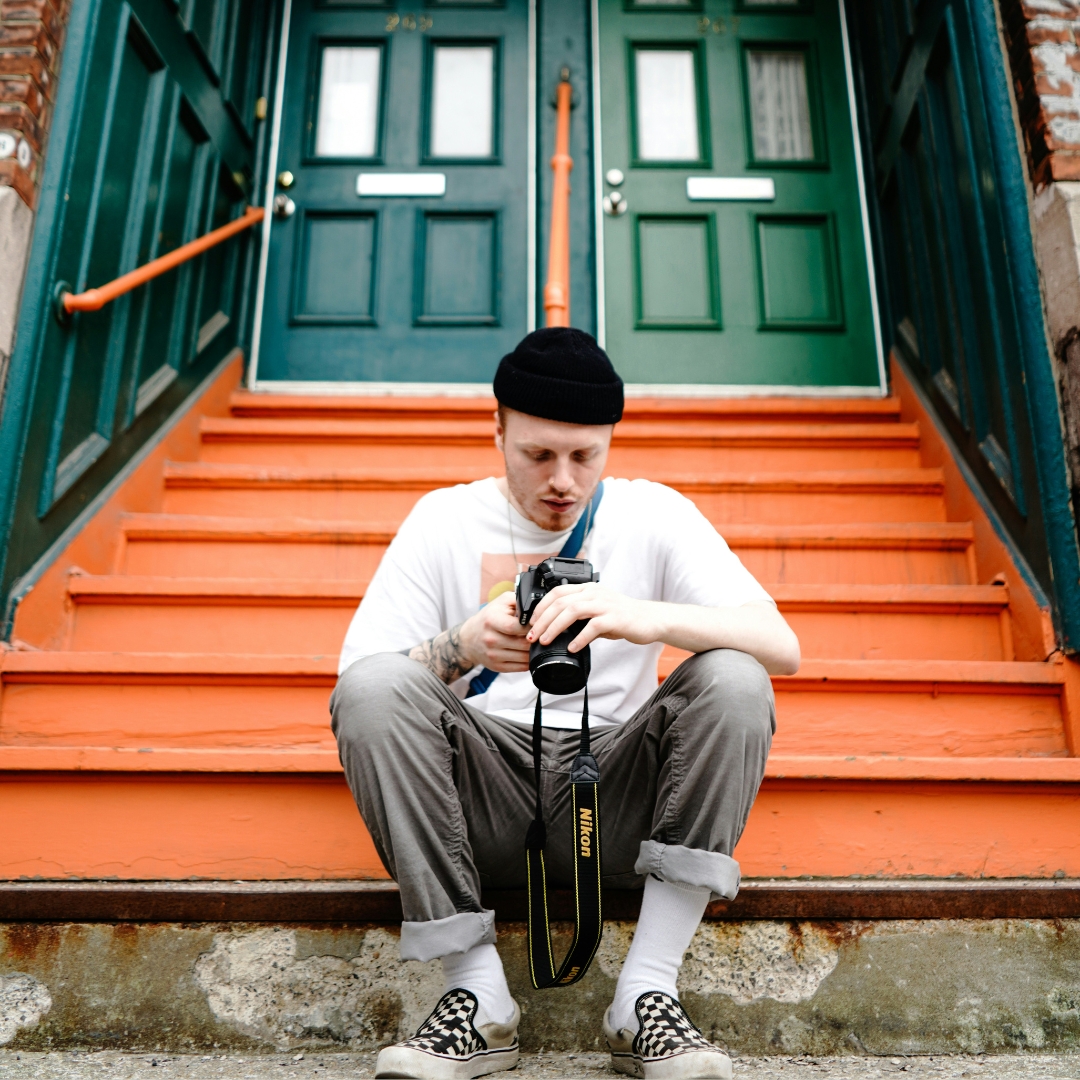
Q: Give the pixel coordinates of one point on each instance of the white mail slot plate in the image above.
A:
(730, 187)
(410, 184)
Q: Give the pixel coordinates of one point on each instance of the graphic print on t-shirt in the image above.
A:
(498, 572)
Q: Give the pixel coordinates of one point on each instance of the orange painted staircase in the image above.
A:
(165, 716)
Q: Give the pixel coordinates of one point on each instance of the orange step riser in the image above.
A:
(622, 461)
(772, 508)
(958, 722)
(347, 561)
(99, 826)
(273, 559)
(636, 409)
(191, 626)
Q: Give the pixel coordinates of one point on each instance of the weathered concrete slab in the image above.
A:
(69, 1065)
(761, 988)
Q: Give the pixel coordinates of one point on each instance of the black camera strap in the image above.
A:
(588, 920)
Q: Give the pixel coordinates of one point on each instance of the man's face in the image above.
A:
(552, 468)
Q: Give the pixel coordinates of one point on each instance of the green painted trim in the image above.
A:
(420, 268)
(299, 269)
(836, 280)
(820, 160)
(972, 481)
(801, 7)
(712, 267)
(430, 45)
(1039, 383)
(310, 157)
(663, 9)
(36, 307)
(22, 585)
(701, 85)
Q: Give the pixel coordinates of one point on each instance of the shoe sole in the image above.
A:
(694, 1065)
(405, 1063)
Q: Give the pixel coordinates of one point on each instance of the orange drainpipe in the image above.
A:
(557, 289)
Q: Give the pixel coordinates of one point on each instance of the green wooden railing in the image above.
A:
(154, 143)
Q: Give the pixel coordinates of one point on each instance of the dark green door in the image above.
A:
(734, 246)
(403, 256)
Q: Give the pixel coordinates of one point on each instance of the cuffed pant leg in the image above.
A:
(391, 717)
(698, 747)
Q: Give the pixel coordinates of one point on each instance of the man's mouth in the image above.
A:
(559, 506)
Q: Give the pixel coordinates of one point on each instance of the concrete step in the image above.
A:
(134, 705)
(926, 553)
(128, 613)
(333, 1064)
(359, 494)
(638, 448)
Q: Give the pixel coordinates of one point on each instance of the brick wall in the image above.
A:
(1043, 39)
(31, 35)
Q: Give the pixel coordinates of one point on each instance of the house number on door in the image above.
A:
(408, 21)
(719, 26)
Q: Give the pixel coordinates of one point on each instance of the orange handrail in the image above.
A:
(557, 289)
(93, 299)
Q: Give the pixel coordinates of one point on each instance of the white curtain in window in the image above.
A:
(780, 106)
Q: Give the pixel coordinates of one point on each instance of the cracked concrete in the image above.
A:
(23, 1002)
(762, 988)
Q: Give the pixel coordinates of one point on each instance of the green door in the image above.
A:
(398, 250)
(734, 247)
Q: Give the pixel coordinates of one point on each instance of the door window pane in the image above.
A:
(463, 101)
(779, 106)
(348, 101)
(666, 105)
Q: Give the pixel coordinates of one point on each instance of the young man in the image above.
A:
(441, 765)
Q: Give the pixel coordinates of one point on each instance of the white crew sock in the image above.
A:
(480, 971)
(670, 913)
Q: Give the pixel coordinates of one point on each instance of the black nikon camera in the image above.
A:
(555, 670)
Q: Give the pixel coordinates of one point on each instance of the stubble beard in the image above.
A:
(536, 511)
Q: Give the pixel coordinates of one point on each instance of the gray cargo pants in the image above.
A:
(447, 791)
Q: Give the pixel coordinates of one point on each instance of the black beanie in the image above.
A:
(559, 373)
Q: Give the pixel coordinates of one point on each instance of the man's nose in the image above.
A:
(563, 479)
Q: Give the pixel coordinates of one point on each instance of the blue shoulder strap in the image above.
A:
(574, 542)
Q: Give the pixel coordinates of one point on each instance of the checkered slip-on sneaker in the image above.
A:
(450, 1046)
(667, 1045)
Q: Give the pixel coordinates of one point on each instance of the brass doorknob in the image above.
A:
(286, 179)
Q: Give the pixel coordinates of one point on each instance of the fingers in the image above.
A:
(552, 597)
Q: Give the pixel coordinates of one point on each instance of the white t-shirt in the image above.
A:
(456, 550)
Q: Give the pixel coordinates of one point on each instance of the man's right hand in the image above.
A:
(494, 638)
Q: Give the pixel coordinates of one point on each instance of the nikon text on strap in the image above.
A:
(588, 920)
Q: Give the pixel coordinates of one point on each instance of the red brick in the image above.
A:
(23, 92)
(18, 11)
(25, 62)
(15, 117)
(1046, 87)
(28, 35)
(1037, 35)
(12, 175)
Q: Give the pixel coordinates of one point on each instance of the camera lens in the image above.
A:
(556, 670)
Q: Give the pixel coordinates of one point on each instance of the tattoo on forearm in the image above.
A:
(443, 654)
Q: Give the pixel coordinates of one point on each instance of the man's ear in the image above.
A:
(499, 433)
